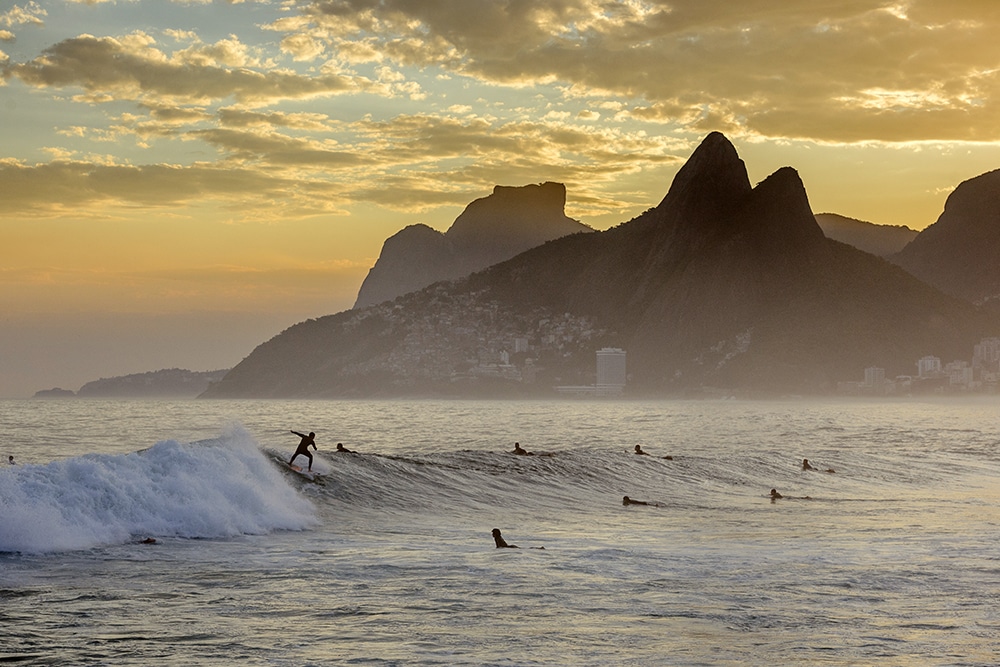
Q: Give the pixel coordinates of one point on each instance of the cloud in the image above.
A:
(84, 189)
(30, 13)
(132, 68)
(764, 67)
(407, 163)
(582, 91)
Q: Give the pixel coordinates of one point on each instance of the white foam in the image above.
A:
(211, 489)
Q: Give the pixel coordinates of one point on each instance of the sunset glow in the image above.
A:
(182, 179)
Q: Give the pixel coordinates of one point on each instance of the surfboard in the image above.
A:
(300, 471)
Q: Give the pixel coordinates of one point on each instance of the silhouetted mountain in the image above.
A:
(489, 230)
(56, 392)
(172, 382)
(879, 240)
(720, 285)
(958, 253)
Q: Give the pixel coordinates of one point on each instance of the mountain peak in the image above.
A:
(711, 184)
(722, 285)
(491, 229)
(957, 254)
(512, 214)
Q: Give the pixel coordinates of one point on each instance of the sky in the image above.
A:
(181, 180)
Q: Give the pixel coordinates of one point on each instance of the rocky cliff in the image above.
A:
(958, 253)
(489, 230)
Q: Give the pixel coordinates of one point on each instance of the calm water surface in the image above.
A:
(891, 560)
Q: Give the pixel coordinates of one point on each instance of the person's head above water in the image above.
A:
(500, 542)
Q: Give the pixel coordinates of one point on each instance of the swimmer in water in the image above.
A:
(344, 450)
(10, 460)
(520, 450)
(628, 501)
(502, 543)
(775, 496)
(639, 451)
(808, 466)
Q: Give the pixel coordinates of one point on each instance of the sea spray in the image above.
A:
(213, 488)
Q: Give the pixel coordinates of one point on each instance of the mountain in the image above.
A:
(879, 240)
(56, 392)
(958, 253)
(172, 383)
(489, 230)
(721, 285)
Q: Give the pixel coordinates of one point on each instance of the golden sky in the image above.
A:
(214, 171)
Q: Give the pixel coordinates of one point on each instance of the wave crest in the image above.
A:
(214, 488)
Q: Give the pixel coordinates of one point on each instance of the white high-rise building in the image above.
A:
(611, 369)
(928, 367)
(874, 377)
(986, 355)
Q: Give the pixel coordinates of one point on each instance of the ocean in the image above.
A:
(388, 559)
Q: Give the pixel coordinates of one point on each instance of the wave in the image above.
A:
(446, 483)
(229, 485)
(471, 480)
(214, 488)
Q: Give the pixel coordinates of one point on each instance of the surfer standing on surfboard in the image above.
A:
(303, 447)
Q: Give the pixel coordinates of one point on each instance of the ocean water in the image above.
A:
(893, 559)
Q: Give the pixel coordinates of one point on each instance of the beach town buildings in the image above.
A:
(981, 375)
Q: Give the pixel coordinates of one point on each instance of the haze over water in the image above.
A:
(890, 560)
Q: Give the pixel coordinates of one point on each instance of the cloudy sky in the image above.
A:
(181, 180)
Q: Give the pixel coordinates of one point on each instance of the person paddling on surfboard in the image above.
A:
(521, 451)
(501, 543)
(303, 447)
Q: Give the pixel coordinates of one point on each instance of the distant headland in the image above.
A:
(167, 383)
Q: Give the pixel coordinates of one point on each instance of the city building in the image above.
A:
(611, 376)
(986, 355)
(929, 367)
(875, 380)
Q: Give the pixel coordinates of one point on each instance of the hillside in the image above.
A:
(958, 253)
(490, 230)
(720, 285)
(168, 383)
(879, 240)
